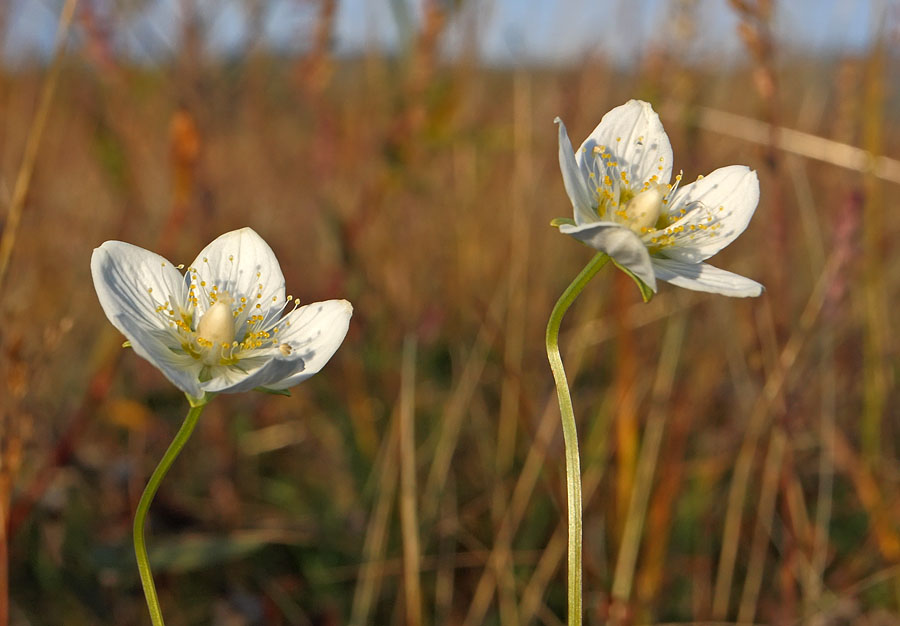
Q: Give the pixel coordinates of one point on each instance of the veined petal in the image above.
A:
(634, 136)
(314, 332)
(574, 180)
(242, 264)
(232, 380)
(618, 242)
(155, 346)
(132, 282)
(704, 277)
(713, 211)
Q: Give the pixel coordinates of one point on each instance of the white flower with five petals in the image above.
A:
(223, 326)
(619, 185)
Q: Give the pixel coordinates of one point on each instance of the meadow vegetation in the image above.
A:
(419, 478)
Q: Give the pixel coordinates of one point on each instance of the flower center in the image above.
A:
(643, 211)
(234, 328)
(217, 325)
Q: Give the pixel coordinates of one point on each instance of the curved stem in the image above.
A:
(570, 434)
(140, 516)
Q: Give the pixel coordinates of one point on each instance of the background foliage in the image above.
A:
(420, 188)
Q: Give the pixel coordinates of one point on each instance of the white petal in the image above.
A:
(181, 369)
(131, 283)
(618, 242)
(315, 333)
(239, 262)
(633, 134)
(718, 207)
(573, 179)
(703, 277)
(233, 380)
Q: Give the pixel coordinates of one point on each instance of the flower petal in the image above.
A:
(131, 283)
(716, 208)
(242, 264)
(574, 180)
(233, 380)
(633, 134)
(704, 277)
(181, 369)
(315, 332)
(618, 242)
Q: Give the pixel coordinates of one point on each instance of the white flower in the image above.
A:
(222, 326)
(618, 182)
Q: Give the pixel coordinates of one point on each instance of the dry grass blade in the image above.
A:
(528, 476)
(456, 411)
(371, 572)
(514, 332)
(408, 508)
(762, 534)
(800, 143)
(33, 143)
(756, 423)
(643, 484)
(444, 576)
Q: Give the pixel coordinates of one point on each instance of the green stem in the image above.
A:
(140, 516)
(570, 434)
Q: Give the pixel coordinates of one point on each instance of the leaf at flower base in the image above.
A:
(126, 344)
(274, 392)
(201, 401)
(646, 292)
(556, 222)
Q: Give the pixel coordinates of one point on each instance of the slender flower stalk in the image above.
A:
(224, 326)
(570, 433)
(140, 515)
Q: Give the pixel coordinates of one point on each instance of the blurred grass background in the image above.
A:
(740, 457)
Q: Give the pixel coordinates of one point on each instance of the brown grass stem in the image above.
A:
(514, 331)
(33, 141)
(528, 476)
(803, 144)
(371, 572)
(649, 453)
(409, 522)
(878, 335)
(824, 497)
(765, 514)
(446, 565)
(756, 423)
(455, 411)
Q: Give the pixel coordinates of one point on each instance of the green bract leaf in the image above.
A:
(556, 222)
(646, 292)
(126, 344)
(274, 392)
(202, 400)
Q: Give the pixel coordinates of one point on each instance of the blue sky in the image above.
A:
(547, 31)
